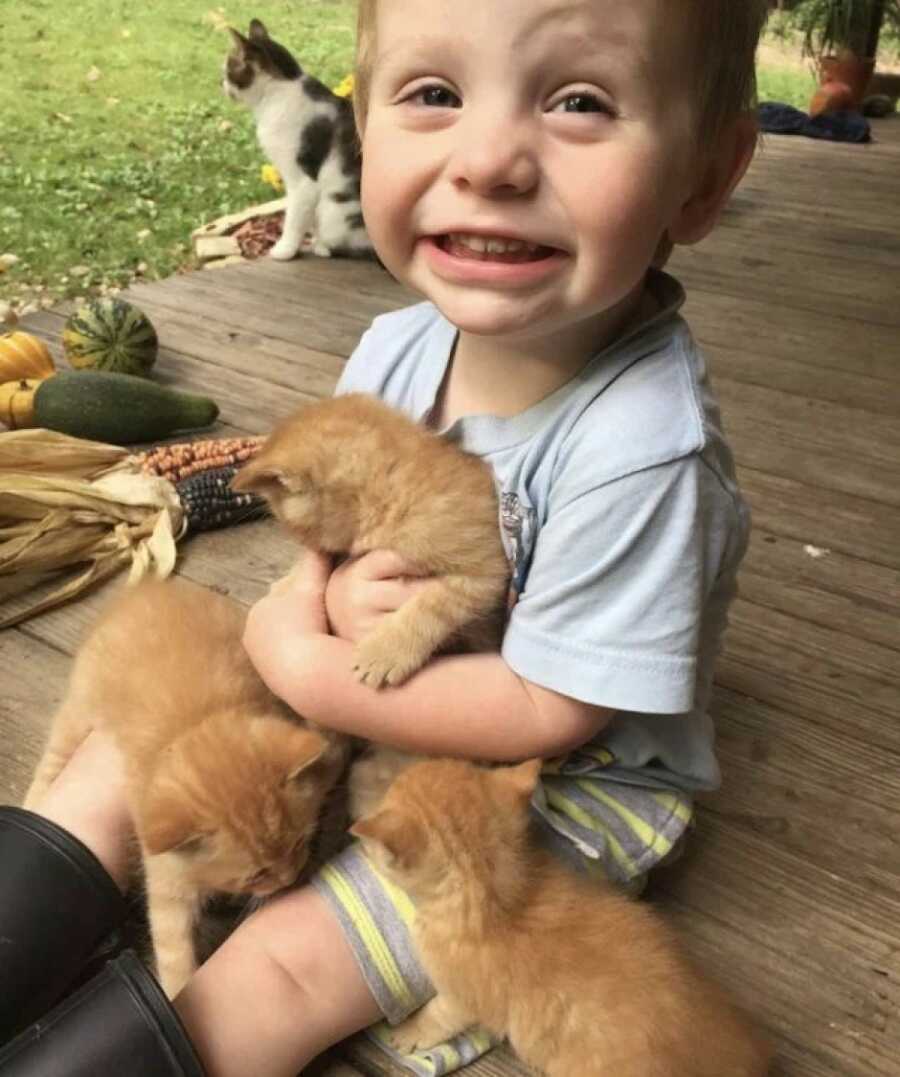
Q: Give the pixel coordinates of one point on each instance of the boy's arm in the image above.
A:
(472, 706)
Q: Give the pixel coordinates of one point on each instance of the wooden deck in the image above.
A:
(791, 892)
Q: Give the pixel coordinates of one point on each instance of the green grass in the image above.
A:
(794, 86)
(89, 165)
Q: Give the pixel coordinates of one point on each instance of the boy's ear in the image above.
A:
(721, 172)
(400, 838)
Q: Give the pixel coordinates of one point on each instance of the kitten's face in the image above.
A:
(447, 818)
(312, 470)
(255, 61)
(239, 804)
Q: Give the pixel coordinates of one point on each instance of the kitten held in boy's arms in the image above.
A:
(309, 135)
(350, 475)
(579, 978)
(224, 783)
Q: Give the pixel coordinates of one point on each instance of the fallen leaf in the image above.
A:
(79, 271)
(126, 33)
(7, 261)
(62, 117)
(144, 233)
(112, 101)
(816, 551)
(94, 74)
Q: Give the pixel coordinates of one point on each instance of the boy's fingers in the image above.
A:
(310, 573)
(385, 565)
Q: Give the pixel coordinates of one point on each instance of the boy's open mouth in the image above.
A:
(492, 248)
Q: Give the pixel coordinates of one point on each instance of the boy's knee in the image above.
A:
(303, 940)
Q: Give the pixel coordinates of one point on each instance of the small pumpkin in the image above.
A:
(110, 334)
(17, 402)
(23, 355)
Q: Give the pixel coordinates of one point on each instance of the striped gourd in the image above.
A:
(110, 334)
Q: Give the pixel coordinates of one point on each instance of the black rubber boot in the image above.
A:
(58, 909)
(119, 1024)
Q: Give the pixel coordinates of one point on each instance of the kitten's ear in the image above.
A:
(171, 828)
(258, 32)
(256, 476)
(401, 839)
(306, 751)
(520, 780)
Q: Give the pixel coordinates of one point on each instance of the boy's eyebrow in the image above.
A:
(427, 45)
(419, 44)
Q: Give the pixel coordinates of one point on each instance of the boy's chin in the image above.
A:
(492, 316)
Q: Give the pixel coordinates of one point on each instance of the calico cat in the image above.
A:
(350, 474)
(581, 979)
(309, 134)
(225, 784)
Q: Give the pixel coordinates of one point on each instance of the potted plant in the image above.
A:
(842, 36)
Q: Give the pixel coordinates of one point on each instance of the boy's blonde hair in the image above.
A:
(724, 34)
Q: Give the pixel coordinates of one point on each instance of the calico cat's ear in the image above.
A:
(521, 780)
(258, 32)
(400, 838)
(238, 38)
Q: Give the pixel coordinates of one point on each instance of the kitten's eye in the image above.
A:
(435, 96)
(583, 101)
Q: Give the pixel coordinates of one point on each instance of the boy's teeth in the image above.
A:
(492, 245)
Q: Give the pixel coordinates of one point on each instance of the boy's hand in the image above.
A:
(361, 591)
(294, 605)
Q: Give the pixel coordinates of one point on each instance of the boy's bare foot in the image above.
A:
(88, 799)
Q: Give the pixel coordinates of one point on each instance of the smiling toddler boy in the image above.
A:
(527, 167)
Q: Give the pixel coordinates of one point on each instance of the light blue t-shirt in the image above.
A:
(623, 521)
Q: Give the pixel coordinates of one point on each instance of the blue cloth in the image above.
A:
(621, 515)
(846, 126)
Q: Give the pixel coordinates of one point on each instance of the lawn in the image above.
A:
(116, 140)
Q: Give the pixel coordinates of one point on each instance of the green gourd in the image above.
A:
(110, 334)
(117, 408)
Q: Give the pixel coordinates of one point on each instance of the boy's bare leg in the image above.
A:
(87, 798)
(283, 988)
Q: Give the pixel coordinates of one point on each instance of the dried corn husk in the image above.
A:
(81, 509)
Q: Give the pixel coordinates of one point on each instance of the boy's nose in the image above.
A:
(495, 159)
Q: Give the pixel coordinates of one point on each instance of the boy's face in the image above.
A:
(562, 127)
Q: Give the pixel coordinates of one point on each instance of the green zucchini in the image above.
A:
(118, 408)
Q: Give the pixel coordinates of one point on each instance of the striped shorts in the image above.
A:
(597, 825)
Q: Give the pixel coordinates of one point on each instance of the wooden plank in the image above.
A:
(796, 808)
(829, 588)
(847, 524)
(744, 905)
(774, 328)
(33, 685)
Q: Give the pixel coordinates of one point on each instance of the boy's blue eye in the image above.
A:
(582, 102)
(436, 97)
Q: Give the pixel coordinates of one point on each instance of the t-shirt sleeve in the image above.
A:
(611, 608)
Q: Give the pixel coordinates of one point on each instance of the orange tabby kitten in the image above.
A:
(348, 475)
(225, 784)
(581, 979)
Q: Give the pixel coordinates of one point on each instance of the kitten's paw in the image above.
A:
(411, 1036)
(321, 251)
(377, 664)
(283, 251)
